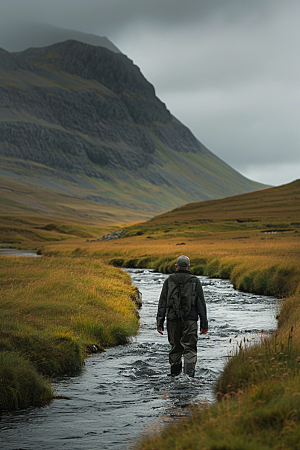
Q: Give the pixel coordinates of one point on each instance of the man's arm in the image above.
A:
(162, 307)
(201, 306)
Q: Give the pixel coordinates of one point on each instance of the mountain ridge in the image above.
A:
(41, 35)
(82, 114)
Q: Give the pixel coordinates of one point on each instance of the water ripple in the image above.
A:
(127, 388)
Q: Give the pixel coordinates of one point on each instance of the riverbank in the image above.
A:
(95, 410)
(259, 395)
(54, 311)
(259, 388)
(253, 240)
(257, 246)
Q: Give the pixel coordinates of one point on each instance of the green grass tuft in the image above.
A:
(21, 385)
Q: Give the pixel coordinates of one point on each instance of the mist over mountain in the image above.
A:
(24, 35)
(82, 120)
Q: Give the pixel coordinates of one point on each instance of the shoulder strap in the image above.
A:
(174, 278)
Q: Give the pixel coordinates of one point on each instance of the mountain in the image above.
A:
(41, 34)
(82, 121)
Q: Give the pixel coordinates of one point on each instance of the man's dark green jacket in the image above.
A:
(198, 310)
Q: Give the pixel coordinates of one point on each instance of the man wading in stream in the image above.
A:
(182, 301)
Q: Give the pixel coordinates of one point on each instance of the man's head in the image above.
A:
(182, 263)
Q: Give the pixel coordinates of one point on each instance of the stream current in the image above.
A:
(118, 394)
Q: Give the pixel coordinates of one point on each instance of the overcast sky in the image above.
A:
(227, 69)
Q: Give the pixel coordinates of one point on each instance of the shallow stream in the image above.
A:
(15, 252)
(123, 391)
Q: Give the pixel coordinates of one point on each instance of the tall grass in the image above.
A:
(259, 388)
(251, 239)
(259, 400)
(267, 418)
(54, 311)
(258, 392)
(21, 385)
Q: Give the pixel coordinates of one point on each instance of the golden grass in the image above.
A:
(266, 418)
(259, 228)
(259, 398)
(55, 294)
(259, 389)
(268, 264)
(253, 239)
(54, 311)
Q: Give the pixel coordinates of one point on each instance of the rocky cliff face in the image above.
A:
(86, 111)
(105, 125)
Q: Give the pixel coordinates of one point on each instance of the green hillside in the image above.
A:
(82, 122)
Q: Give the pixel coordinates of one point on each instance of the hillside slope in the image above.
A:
(272, 210)
(82, 121)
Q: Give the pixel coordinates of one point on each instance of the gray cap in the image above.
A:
(183, 261)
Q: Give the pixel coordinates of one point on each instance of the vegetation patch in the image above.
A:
(258, 390)
(20, 383)
(259, 398)
(52, 312)
(267, 417)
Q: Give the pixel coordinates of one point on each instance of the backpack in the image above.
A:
(181, 297)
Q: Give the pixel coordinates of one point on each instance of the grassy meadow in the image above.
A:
(53, 312)
(252, 239)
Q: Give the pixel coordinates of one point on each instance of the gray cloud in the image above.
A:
(228, 69)
(116, 13)
(235, 85)
(112, 17)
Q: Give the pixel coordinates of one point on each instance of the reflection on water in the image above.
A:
(122, 391)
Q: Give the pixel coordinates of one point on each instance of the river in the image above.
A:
(118, 394)
(16, 252)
